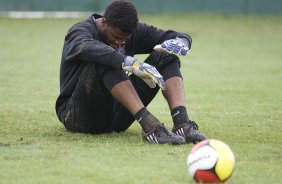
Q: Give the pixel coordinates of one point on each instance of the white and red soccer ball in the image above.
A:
(211, 161)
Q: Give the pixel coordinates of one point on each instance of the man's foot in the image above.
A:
(161, 135)
(189, 131)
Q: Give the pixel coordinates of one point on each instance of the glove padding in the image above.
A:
(149, 74)
(177, 46)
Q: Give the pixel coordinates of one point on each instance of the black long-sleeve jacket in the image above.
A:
(83, 45)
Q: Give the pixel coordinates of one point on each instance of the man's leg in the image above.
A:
(174, 92)
(125, 93)
(169, 66)
(175, 97)
(123, 118)
(91, 107)
(90, 100)
(129, 107)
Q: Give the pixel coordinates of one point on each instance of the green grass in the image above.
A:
(233, 86)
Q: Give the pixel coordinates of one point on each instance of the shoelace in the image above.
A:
(162, 127)
(194, 124)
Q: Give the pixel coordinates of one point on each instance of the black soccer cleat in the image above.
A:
(161, 135)
(189, 131)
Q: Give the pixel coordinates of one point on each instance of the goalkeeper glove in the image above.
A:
(177, 46)
(149, 74)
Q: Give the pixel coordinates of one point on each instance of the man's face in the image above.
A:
(113, 36)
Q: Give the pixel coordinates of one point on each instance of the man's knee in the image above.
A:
(113, 76)
(167, 64)
(161, 59)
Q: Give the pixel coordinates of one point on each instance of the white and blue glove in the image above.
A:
(149, 74)
(177, 46)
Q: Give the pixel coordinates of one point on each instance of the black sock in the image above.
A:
(179, 115)
(146, 120)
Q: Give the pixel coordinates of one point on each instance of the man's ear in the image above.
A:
(104, 21)
(103, 24)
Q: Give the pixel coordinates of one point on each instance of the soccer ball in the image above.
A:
(210, 161)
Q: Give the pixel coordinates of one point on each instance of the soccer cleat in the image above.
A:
(161, 135)
(189, 131)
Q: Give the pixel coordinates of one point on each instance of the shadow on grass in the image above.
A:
(60, 134)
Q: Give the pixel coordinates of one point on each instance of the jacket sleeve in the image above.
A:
(146, 37)
(81, 45)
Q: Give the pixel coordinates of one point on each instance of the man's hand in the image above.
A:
(144, 71)
(177, 46)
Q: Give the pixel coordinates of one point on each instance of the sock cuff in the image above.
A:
(141, 113)
(146, 120)
(179, 115)
(177, 110)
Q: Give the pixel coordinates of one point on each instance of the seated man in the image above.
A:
(96, 93)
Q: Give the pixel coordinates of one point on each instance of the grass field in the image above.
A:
(233, 83)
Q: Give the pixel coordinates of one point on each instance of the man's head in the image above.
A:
(122, 14)
(118, 23)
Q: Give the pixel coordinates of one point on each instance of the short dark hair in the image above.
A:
(122, 14)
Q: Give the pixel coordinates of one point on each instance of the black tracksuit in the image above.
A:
(90, 68)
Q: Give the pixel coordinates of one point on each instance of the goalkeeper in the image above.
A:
(103, 88)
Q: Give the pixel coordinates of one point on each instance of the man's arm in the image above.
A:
(81, 45)
(147, 37)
